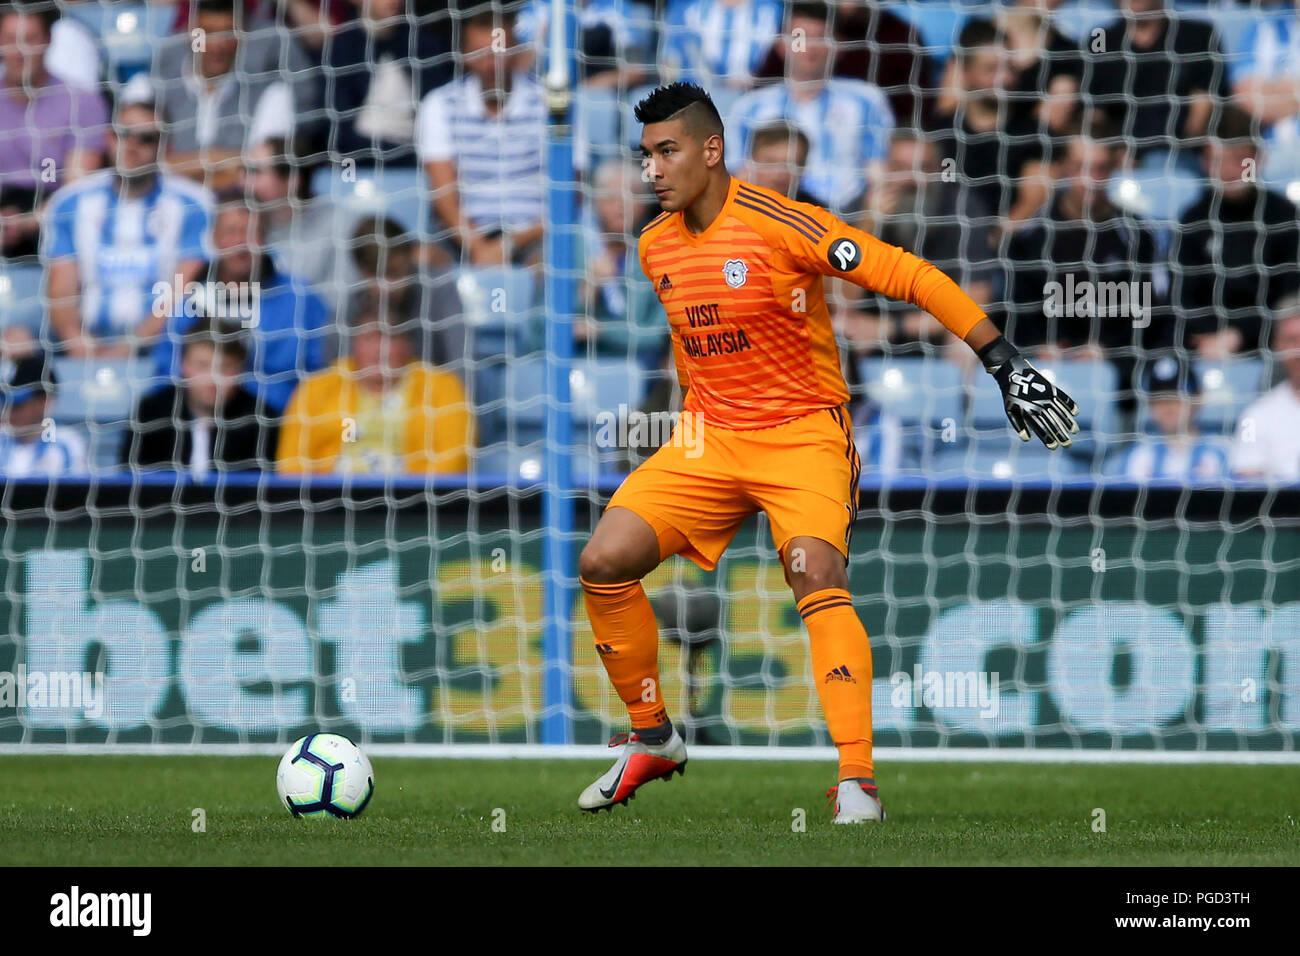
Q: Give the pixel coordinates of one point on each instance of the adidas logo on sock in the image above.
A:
(605, 649)
(840, 673)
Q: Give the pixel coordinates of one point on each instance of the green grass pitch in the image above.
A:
(80, 811)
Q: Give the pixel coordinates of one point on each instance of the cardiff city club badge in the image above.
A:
(735, 270)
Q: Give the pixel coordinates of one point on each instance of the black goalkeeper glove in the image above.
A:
(1032, 402)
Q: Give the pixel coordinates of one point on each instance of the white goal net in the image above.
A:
(324, 340)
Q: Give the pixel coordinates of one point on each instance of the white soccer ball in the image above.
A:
(325, 775)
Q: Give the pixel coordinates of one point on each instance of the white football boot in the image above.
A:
(854, 804)
(638, 763)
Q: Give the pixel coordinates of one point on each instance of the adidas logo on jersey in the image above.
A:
(604, 649)
(840, 673)
(665, 283)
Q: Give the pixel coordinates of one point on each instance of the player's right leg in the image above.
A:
(682, 500)
(623, 549)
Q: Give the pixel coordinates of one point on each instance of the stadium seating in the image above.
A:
(128, 33)
(501, 327)
(21, 296)
(925, 396)
(513, 438)
(597, 385)
(518, 465)
(400, 194)
(599, 111)
(938, 22)
(499, 306)
(511, 399)
(1232, 21)
(99, 390)
(100, 394)
(1281, 172)
(631, 129)
(1078, 20)
(1159, 190)
(998, 453)
(515, 447)
(1227, 387)
(525, 401)
(603, 391)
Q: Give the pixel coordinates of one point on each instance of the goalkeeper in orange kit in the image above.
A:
(739, 271)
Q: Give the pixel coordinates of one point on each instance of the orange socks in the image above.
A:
(841, 659)
(627, 639)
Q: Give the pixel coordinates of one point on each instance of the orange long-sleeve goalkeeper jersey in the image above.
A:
(750, 329)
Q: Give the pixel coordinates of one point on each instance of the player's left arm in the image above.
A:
(835, 248)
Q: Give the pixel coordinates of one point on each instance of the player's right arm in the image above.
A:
(819, 242)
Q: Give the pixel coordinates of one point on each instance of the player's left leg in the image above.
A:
(841, 661)
(804, 475)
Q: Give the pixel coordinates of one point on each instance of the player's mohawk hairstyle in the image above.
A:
(665, 102)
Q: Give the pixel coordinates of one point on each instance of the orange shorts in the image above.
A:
(707, 480)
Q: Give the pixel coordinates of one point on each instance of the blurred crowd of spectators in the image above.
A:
(997, 159)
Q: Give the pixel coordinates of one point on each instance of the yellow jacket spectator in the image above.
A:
(377, 411)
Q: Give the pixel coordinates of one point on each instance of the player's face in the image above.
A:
(676, 164)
